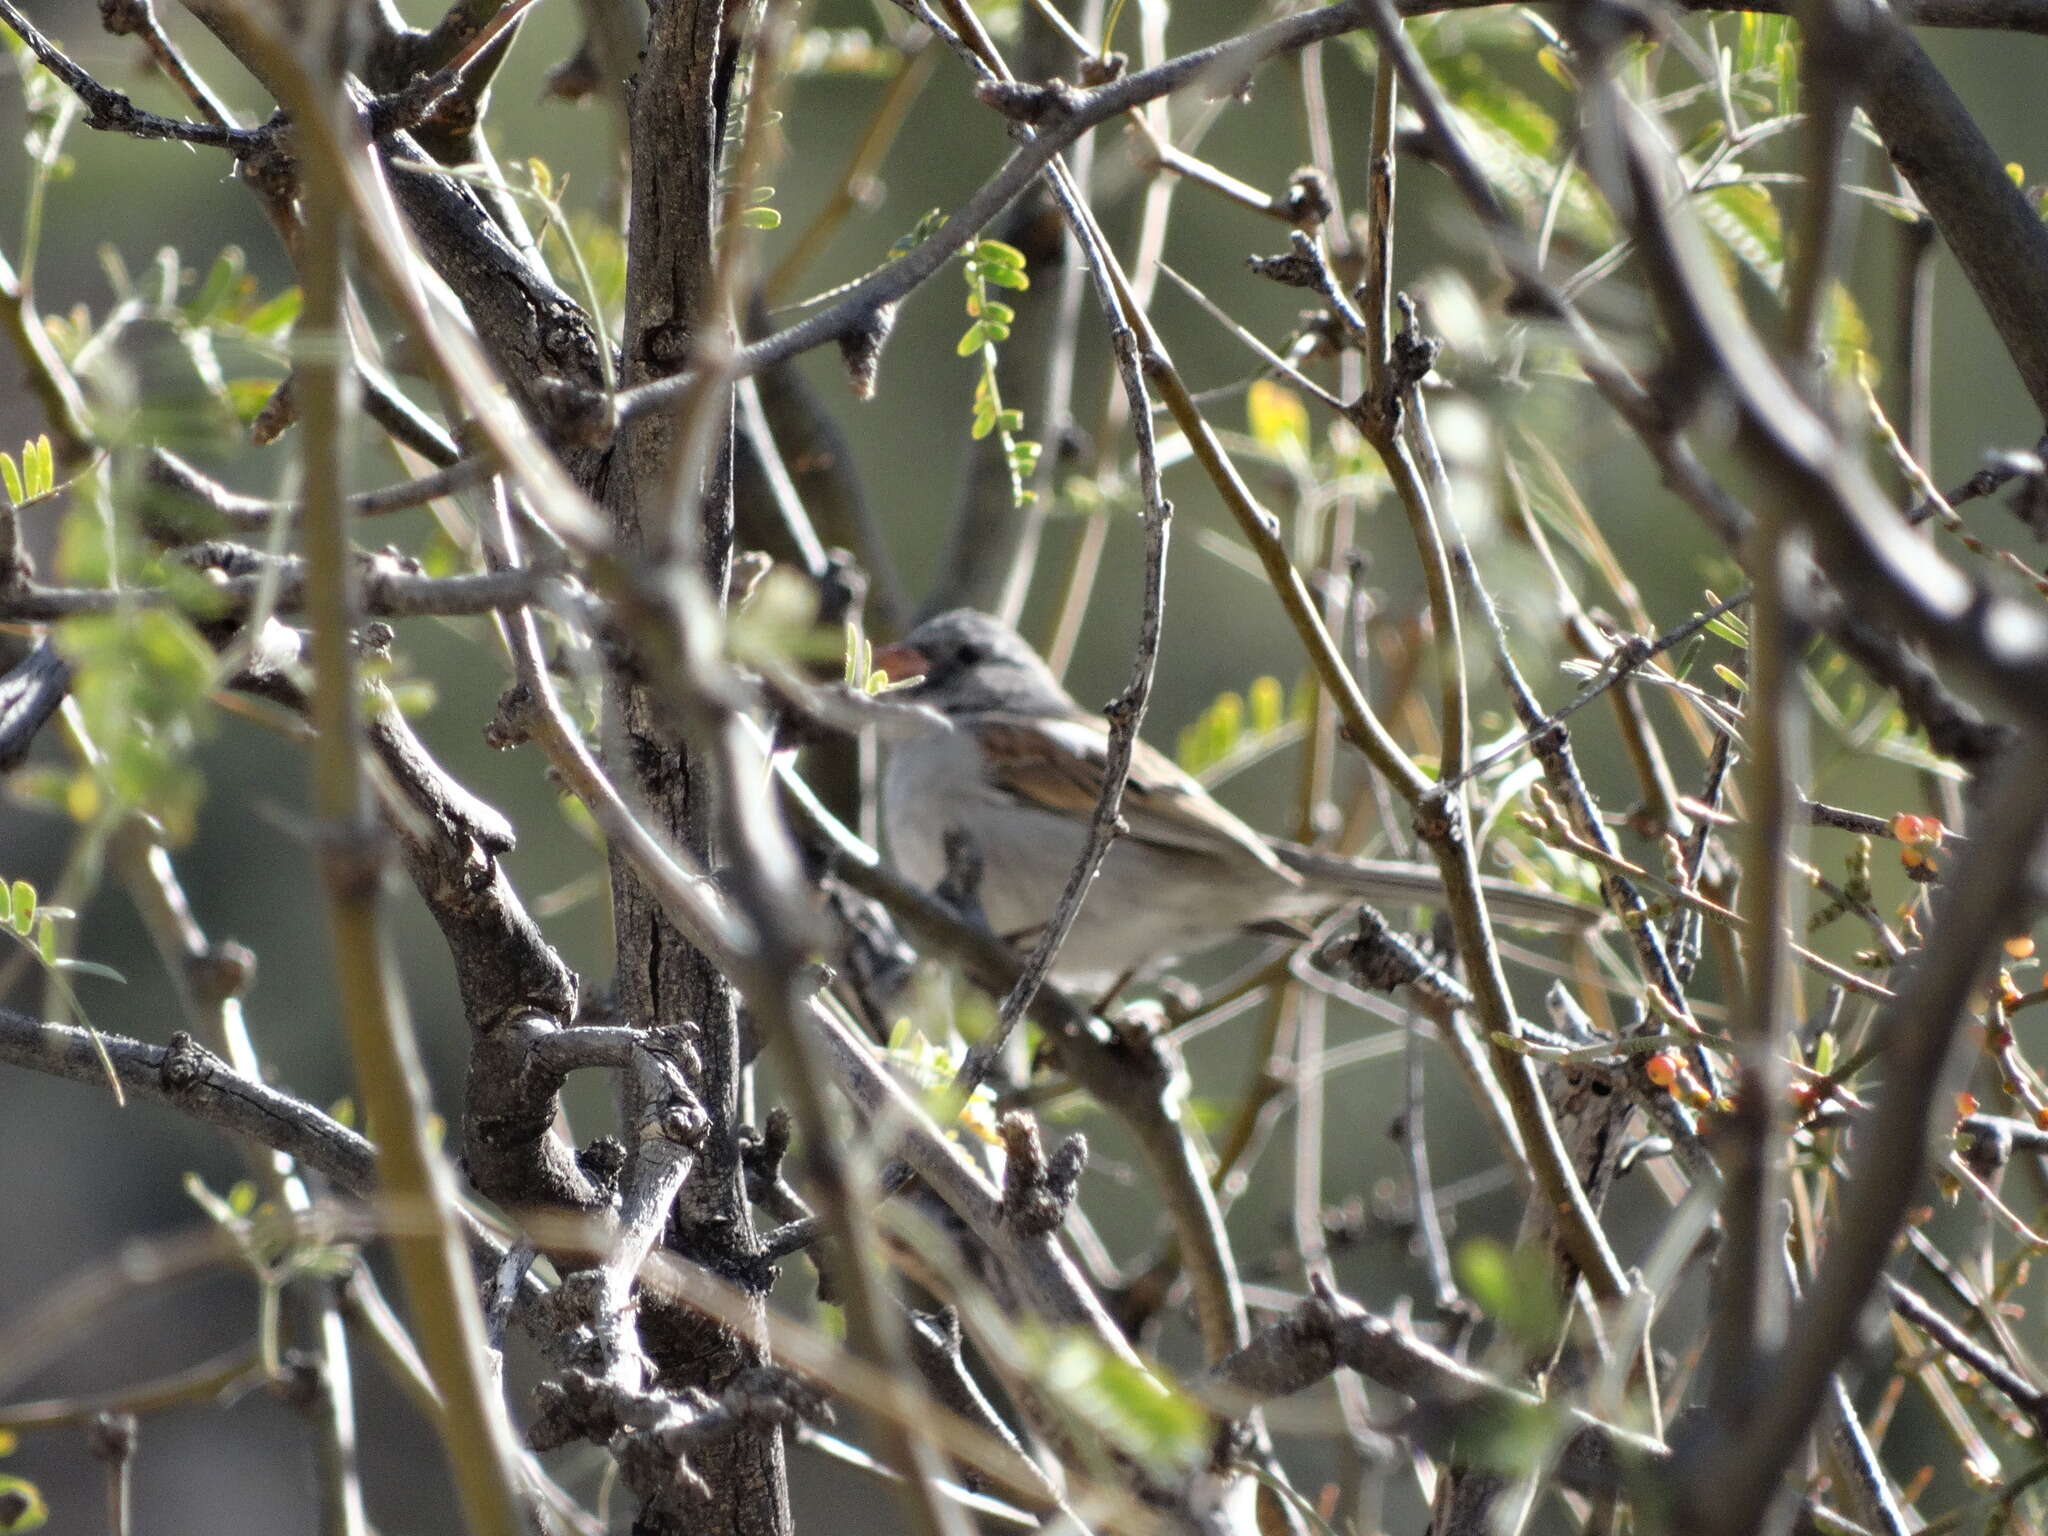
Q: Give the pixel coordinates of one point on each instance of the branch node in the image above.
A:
(1036, 1190)
(125, 18)
(225, 970)
(571, 413)
(1101, 69)
(1307, 202)
(1292, 270)
(772, 1397)
(860, 345)
(1035, 105)
(602, 1162)
(186, 1064)
(1382, 960)
(279, 414)
(111, 1436)
(1414, 354)
(511, 724)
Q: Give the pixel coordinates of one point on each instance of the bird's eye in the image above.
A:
(972, 655)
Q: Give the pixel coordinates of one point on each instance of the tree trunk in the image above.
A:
(677, 110)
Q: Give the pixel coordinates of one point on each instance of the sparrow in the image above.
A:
(1017, 767)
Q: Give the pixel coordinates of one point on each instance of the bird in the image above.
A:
(1012, 764)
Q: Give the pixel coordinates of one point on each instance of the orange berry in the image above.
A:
(2020, 946)
(1911, 857)
(1966, 1104)
(1908, 828)
(1662, 1068)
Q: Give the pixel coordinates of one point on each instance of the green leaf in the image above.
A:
(993, 309)
(218, 288)
(23, 908)
(275, 315)
(1744, 219)
(10, 477)
(168, 277)
(1756, 41)
(1511, 1286)
(1847, 335)
(1509, 112)
(923, 230)
(973, 341)
(46, 940)
(23, 1504)
(38, 467)
(1006, 277)
(761, 218)
(1268, 703)
(199, 1194)
(999, 254)
(1510, 1439)
(75, 967)
(995, 330)
(1722, 629)
(1129, 1405)
(247, 397)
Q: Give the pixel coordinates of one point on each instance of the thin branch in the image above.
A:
(109, 110)
(383, 590)
(2024, 1394)
(190, 1079)
(390, 1077)
(1918, 1029)
(1327, 1332)
(223, 1378)
(248, 514)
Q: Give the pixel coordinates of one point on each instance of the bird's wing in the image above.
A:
(1058, 763)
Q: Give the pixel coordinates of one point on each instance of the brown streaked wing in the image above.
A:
(1058, 765)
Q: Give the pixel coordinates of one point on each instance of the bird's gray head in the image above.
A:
(969, 663)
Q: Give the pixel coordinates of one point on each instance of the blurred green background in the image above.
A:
(78, 1176)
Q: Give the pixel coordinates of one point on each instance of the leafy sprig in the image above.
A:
(990, 265)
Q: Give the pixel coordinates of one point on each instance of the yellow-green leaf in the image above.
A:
(1268, 701)
(1278, 419)
(275, 314)
(21, 1505)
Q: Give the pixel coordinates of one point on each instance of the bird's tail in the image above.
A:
(1387, 881)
